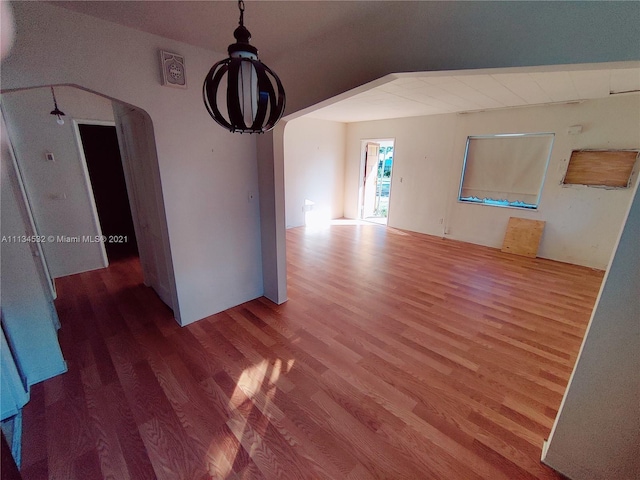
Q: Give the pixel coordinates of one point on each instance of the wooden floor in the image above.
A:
(398, 356)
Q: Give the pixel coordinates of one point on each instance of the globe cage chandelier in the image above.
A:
(255, 97)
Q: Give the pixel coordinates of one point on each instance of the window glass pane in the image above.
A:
(505, 170)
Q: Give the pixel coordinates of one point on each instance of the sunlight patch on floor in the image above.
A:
(218, 465)
(349, 221)
(255, 389)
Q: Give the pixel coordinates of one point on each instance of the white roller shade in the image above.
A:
(510, 168)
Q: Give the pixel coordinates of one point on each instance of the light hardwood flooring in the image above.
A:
(397, 356)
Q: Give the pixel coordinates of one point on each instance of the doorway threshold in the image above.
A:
(378, 220)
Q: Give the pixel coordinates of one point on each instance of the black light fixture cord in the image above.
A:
(55, 104)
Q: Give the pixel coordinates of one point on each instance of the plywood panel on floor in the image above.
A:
(523, 236)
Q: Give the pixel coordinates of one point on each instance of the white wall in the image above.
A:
(421, 156)
(582, 222)
(206, 173)
(596, 435)
(28, 316)
(60, 198)
(314, 170)
(272, 214)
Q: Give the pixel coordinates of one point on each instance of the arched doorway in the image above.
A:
(60, 191)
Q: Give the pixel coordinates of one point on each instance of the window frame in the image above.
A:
(524, 206)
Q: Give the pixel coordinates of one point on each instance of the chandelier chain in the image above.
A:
(241, 8)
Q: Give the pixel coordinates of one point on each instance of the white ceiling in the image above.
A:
(432, 93)
(210, 24)
(275, 26)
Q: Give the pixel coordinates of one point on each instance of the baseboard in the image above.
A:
(545, 447)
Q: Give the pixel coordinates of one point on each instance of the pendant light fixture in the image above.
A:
(254, 94)
(56, 111)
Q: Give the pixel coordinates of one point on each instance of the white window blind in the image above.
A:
(505, 169)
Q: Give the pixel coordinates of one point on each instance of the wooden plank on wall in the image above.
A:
(523, 236)
(604, 168)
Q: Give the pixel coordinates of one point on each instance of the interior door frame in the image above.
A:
(361, 172)
(87, 179)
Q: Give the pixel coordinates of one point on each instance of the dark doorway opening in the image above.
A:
(104, 164)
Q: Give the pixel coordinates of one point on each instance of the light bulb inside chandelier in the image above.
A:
(254, 99)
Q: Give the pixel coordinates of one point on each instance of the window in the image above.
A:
(505, 170)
